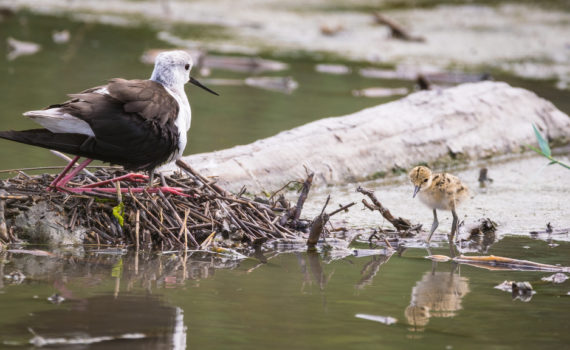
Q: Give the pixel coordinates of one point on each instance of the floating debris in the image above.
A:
(380, 92)
(483, 177)
(243, 64)
(60, 37)
(396, 30)
(522, 291)
(19, 48)
(556, 278)
(331, 30)
(279, 84)
(506, 286)
(519, 290)
(438, 258)
(56, 299)
(338, 69)
(482, 235)
(15, 277)
(224, 82)
(387, 320)
(40, 341)
(491, 262)
(431, 75)
(35, 252)
(206, 63)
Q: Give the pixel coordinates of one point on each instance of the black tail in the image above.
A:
(67, 143)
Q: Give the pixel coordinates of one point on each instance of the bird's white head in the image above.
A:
(172, 68)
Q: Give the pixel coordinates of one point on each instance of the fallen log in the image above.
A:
(470, 121)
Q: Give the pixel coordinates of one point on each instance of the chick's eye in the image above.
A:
(187, 66)
(425, 180)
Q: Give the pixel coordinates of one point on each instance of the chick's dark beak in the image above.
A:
(197, 83)
(416, 190)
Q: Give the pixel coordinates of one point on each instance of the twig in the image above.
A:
(400, 223)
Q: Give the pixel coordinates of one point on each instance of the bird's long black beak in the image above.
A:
(197, 83)
(416, 190)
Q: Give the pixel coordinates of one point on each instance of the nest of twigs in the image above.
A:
(155, 220)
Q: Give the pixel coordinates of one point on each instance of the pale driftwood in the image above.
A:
(470, 121)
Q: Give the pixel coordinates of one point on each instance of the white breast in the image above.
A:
(182, 121)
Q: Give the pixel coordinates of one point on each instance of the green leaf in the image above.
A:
(535, 149)
(553, 162)
(542, 142)
(118, 212)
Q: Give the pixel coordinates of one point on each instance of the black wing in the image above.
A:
(134, 124)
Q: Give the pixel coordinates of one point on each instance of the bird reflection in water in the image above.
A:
(127, 321)
(437, 294)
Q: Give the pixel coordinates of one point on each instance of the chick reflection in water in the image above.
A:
(437, 294)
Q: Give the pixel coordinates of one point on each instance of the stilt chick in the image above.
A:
(439, 191)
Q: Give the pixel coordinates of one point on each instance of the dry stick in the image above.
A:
(137, 229)
(341, 209)
(197, 215)
(176, 216)
(302, 198)
(160, 209)
(196, 174)
(400, 223)
(236, 221)
(398, 32)
(152, 217)
(267, 221)
(282, 188)
(186, 212)
(317, 227)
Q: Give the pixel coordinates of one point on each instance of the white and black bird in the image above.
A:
(139, 124)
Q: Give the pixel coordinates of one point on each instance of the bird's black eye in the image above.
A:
(187, 66)
(425, 180)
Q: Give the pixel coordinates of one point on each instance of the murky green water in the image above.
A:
(294, 300)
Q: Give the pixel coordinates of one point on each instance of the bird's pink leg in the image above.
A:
(62, 174)
(164, 189)
(63, 181)
(128, 177)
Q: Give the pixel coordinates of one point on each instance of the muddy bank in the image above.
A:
(532, 39)
(469, 122)
(523, 197)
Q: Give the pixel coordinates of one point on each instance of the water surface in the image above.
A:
(295, 300)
